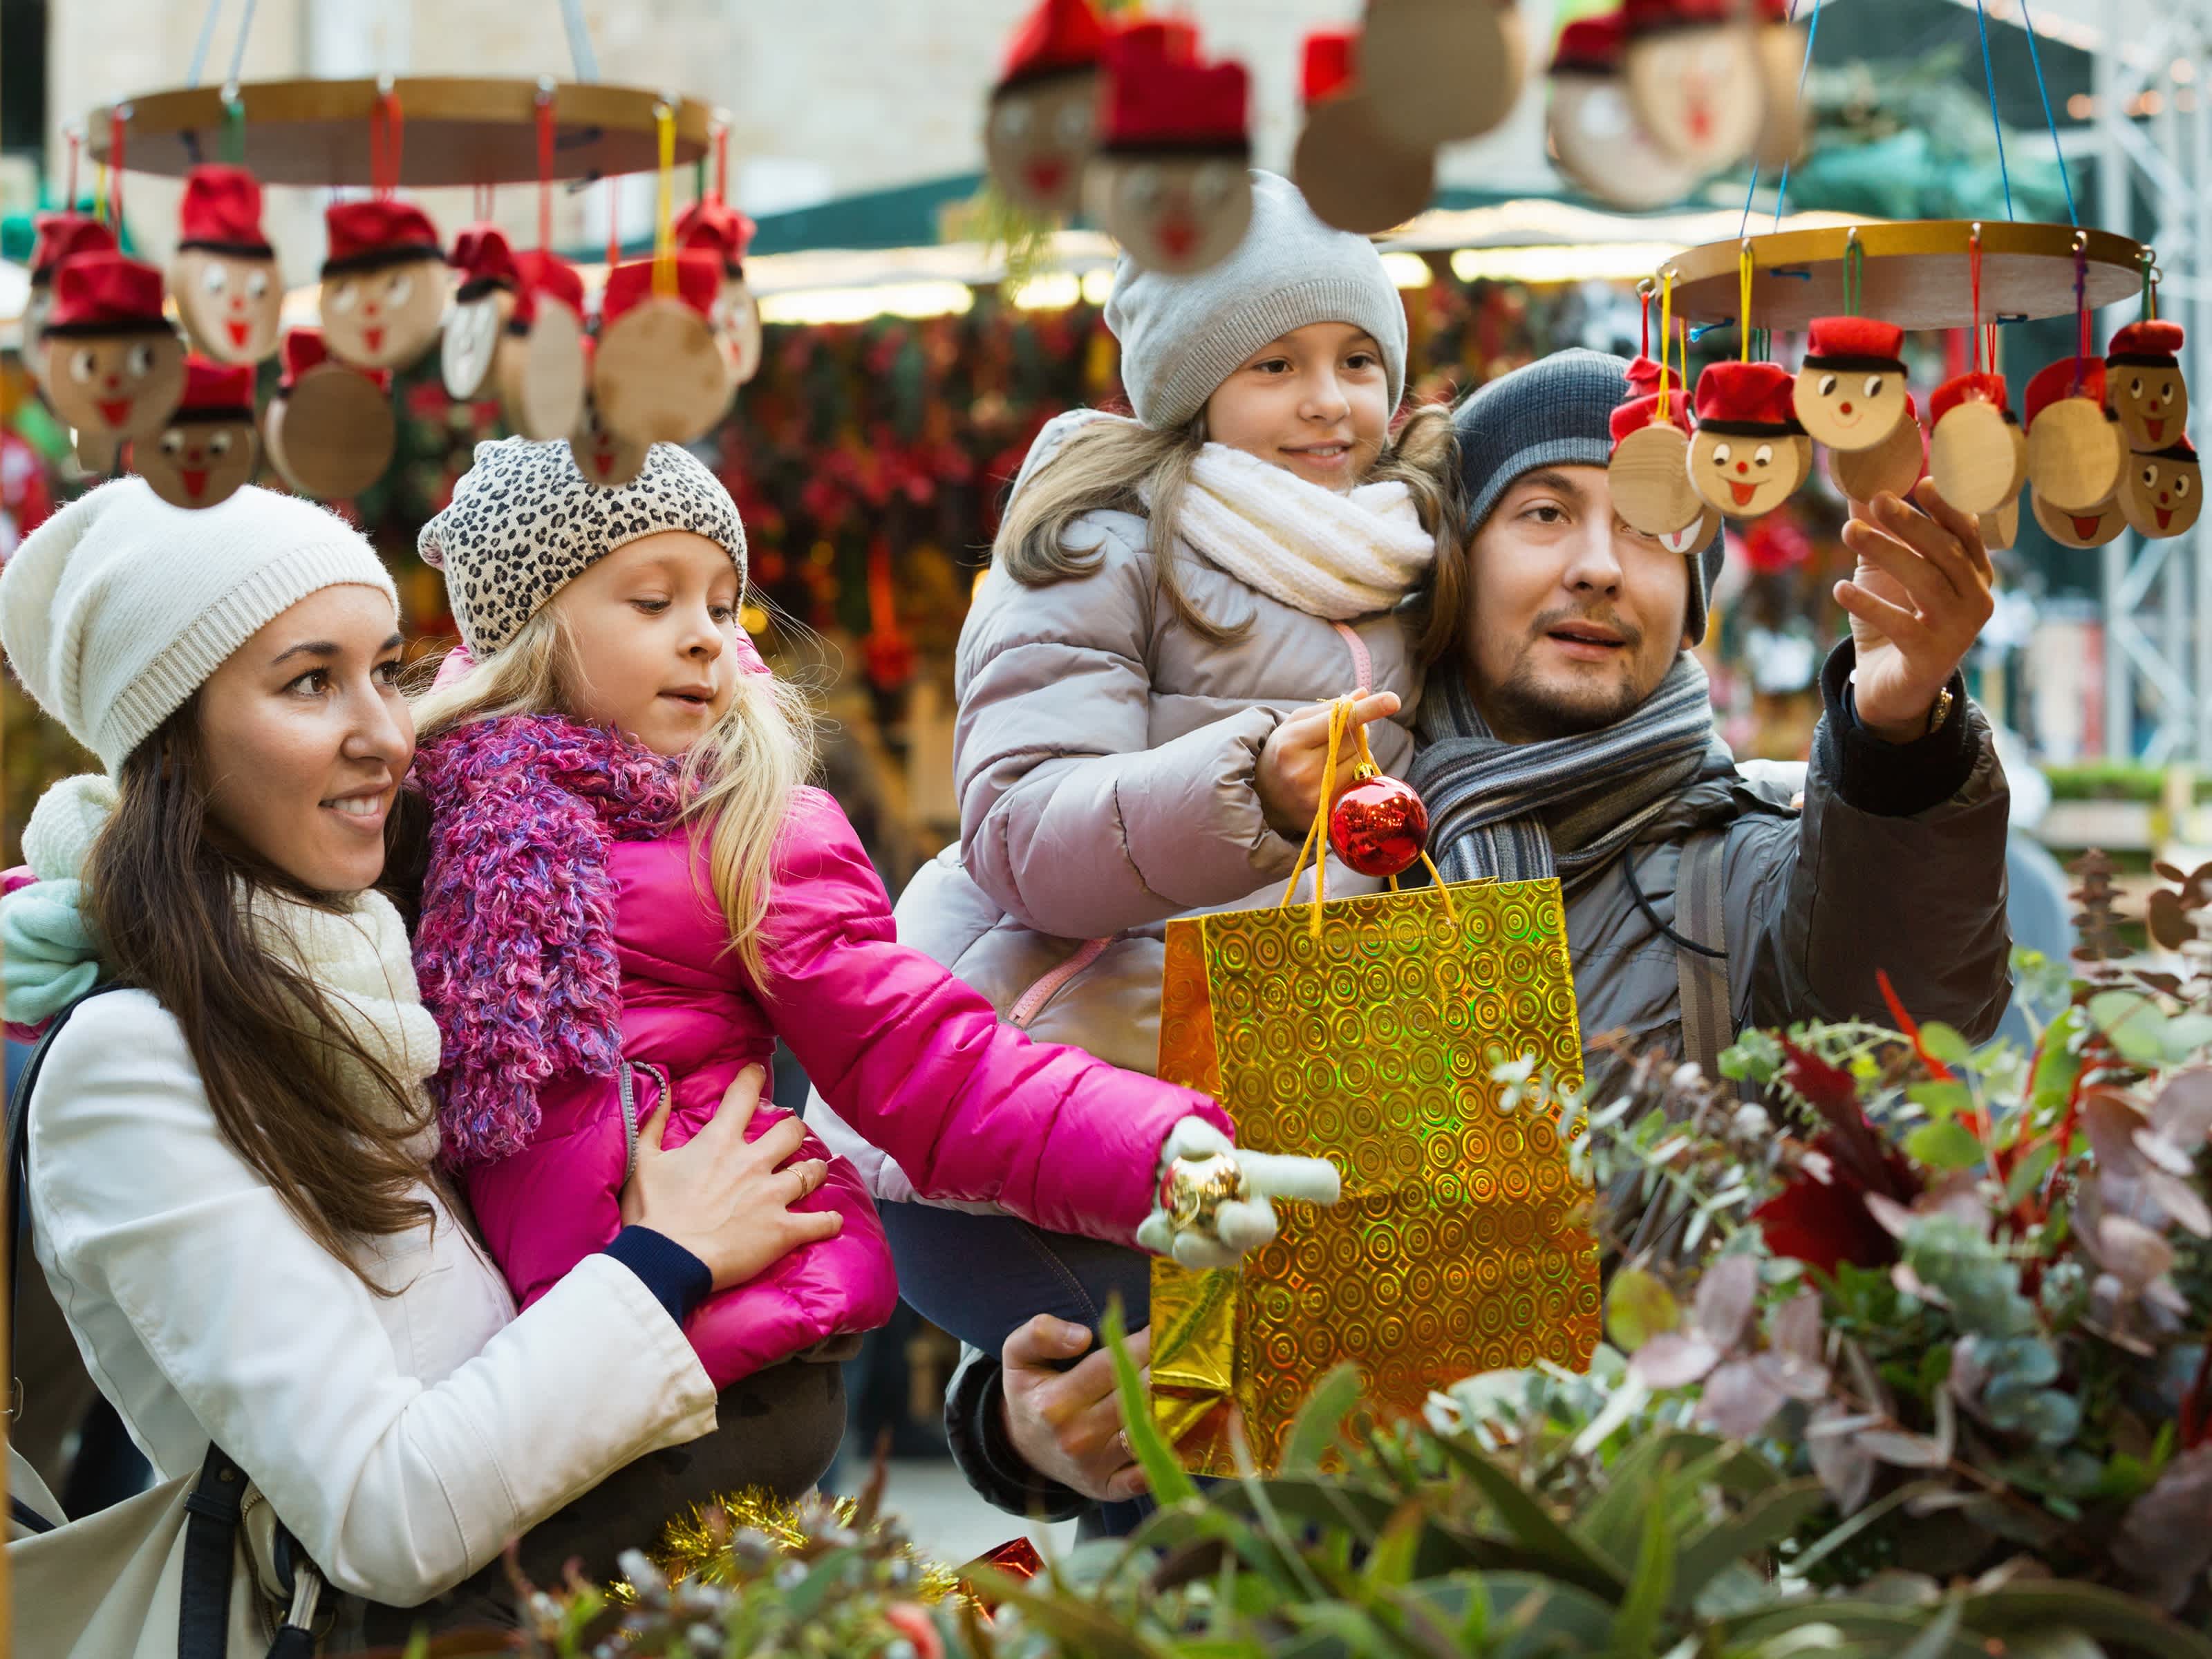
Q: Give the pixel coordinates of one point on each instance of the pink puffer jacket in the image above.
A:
(572, 951)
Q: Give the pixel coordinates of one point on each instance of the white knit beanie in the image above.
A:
(117, 608)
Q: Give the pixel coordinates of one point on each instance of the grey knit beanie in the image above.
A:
(1181, 336)
(1556, 411)
(525, 521)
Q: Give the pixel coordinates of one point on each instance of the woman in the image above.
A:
(232, 1162)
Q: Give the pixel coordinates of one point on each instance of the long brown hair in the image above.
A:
(1117, 465)
(168, 900)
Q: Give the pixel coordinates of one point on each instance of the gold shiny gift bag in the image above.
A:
(1368, 1040)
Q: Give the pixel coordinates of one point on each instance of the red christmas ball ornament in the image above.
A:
(1378, 825)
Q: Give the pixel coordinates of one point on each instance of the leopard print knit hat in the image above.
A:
(524, 522)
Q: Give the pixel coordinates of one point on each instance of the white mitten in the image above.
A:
(1213, 1202)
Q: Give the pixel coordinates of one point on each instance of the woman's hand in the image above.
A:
(724, 1198)
(1066, 1424)
(1289, 778)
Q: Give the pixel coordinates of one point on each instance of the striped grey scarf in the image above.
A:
(1564, 806)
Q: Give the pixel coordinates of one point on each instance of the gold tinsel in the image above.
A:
(696, 1545)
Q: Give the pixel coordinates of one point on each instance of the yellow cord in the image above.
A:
(1666, 328)
(663, 234)
(1743, 300)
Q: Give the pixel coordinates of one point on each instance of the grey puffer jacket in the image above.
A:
(1105, 757)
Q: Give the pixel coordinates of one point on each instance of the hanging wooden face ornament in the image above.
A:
(2100, 524)
(60, 236)
(1441, 70)
(604, 456)
(1170, 181)
(1353, 175)
(1041, 124)
(384, 284)
(1649, 476)
(2161, 493)
(1850, 391)
(711, 225)
(1596, 137)
(225, 280)
(208, 448)
(330, 429)
(2075, 449)
(659, 375)
(1749, 454)
(1695, 79)
(539, 367)
(2143, 384)
(115, 369)
(1892, 466)
(1977, 453)
(483, 306)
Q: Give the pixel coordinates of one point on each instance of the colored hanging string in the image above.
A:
(2081, 310)
(1751, 190)
(76, 144)
(1974, 284)
(234, 127)
(2027, 26)
(387, 134)
(100, 192)
(614, 225)
(2149, 288)
(721, 161)
(544, 169)
(1854, 274)
(1743, 300)
(1644, 305)
(1989, 85)
(664, 229)
(117, 119)
(1812, 33)
(1666, 328)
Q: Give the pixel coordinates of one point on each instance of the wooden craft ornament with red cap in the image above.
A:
(1040, 126)
(711, 225)
(659, 375)
(1597, 137)
(482, 307)
(1850, 392)
(2161, 493)
(115, 368)
(1442, 70)
(1353, 175)
(2075, 449)
(384, 284)
(603, 455)
(1695, 79)
(2143, 384)
(1892, 466)
(1977, 453)
(539, 368)
(208, 449)
(1749, 454)
(1170, 182)
(1649, 474)
(330, 429)
(224, 277)
(60, 236)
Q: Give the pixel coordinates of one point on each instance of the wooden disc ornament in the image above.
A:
(1781, 48)
(1749, 454)
(1850, 392)
(1892, 466)
(1975, 454)
(1442, 70)
(1695, 80)
(1688, 540)
(209, 448)
(2000, 528)
(224, 278)
(1170, 181)
(2143, 384)
(115, 368)
(2094, 527)
(711, 225)
(1649, 476)
(1596, 138)
(2075, 449)
(1041, 122)
(330, 429)
(2161, 494)
(1353, 175)
(384, 284)
(539, 368)
(659, 375)
(482, 307)
(604, 456)
(60, 236)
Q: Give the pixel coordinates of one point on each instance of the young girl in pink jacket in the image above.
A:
(631, 894)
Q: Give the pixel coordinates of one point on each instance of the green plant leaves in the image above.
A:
(1315, 1429)
(1946, 1145)
(1170, 1481)
(1638, 1307)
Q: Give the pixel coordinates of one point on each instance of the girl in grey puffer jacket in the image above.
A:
(1143, 675)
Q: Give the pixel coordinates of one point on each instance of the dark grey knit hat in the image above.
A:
(1556, 411)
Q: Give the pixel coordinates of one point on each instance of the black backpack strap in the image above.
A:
(18, 1150)
(212, 1515)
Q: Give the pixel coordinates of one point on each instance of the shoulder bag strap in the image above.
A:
(1701, 951)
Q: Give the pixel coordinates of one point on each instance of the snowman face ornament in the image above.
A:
(115, 386)
(231, 304)
(385, 316)
(1173, 214)
(1038, 137)
(1849, 408)
(198, 463)
(2152, 402)
(1748, 475)
(2162, 494)
(2102, 523)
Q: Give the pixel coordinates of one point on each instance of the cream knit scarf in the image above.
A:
(1331, 554)
(359, 957)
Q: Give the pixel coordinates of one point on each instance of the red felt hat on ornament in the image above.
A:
(1159, 97)
(1591, 46)
(1058, 37)
(216, 391)
(698, 280)
(1643, 376)
(1654, 16)
(539, 272)
(485, 259)
(1855, 343)
(106, 294)
(63, 236)
(2054, 381)
(2154, 343)
(1748, 400)
(1968, 388)
(221, 212)
(1640, 412)
(304, 350)
(711, 225)
(382, 231)
(1328, 63)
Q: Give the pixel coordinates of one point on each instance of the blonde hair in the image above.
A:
(1117, 465)
(738, 779)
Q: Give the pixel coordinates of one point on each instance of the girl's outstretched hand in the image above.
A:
(1214, 1197)
(1289, 777)
(724, 1198)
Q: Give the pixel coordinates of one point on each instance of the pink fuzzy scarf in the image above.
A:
(515, 949)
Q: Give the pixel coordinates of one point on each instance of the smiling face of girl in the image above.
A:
(1315, 402)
